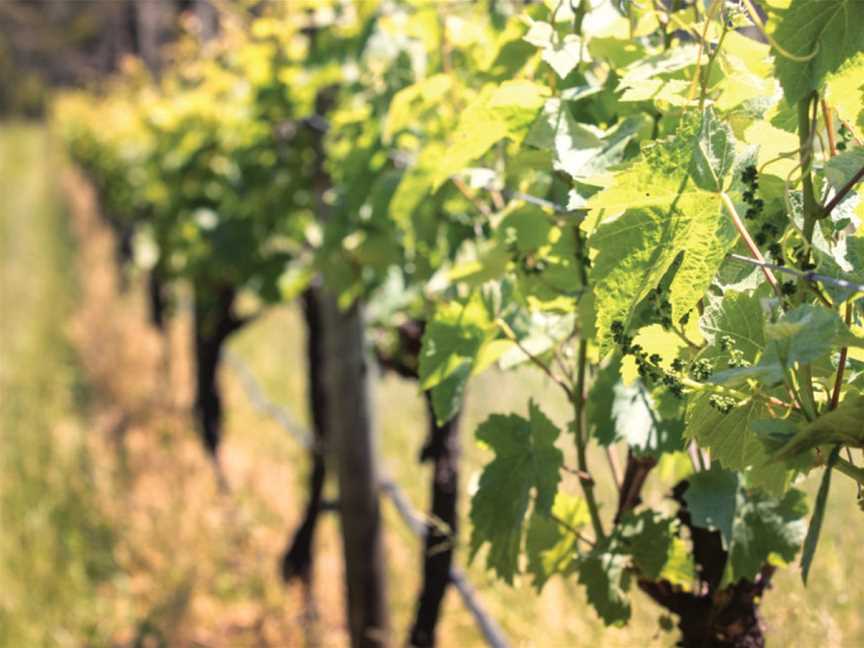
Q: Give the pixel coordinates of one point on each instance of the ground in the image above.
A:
(114, 530)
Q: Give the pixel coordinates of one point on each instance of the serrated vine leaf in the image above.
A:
(811, 540)
(574, 145)
(806, 334)
(606, 579)
(846, 90)
(712, 499)
(670, 218)
(497, 112)
(651, 540)
(840, 168)
(730, 436)
(752, 524)
(714, 154)
(827, 32)
(764, 526)
(562, 54)
(733, 442)
(579, 150)
(551, 543)
(451, 346)
(600, 401)
(775, 433)
(844, 425)
(526, 461)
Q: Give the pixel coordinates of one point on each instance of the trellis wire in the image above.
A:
(813, 277)
(415, 521)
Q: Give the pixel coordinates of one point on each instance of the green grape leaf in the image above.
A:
(650, 539)
(843, 425)
(573, 144)
(526, 226)
(635, 251)
(766, 526)
(712, 500)
(497, 112)
(538, 332)
(671, 218)
(580, 150)
(673, 91)
(752, 524)
(828, 32)
(805, 334)
(606, 578)
(846, 90)
(551, 544)
(733, 442)
(423, 95)
(526, 461)
(811, 540)
(842, 260)
(415, 185)
(731, 437)
(774, 432)
(600, 401)
(562, 54)
(840, 168)
(662, 64)
(451, 346)
(739, 316)
(713, 155)
(636, 420)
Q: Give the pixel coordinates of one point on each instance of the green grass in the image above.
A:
(55, 548)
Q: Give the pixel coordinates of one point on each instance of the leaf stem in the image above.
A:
(720, 390)
(585, 479)
(703, 43)
(579, 415)
(841, 363)
(796, 395)
(843, 192)
(829, 127)
(751, 245)
(614, 466)
(850, 470)
(564, 525)
(844, 352)
(511, 335)
(683, 337)
(812, 211)
(705, 76)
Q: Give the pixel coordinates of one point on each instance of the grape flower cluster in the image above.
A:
(768, 232)
(649, 366)
(651, 371)
(845, 137)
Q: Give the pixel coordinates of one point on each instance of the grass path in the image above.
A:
(55, 546)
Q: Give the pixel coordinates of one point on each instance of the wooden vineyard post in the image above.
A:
(353, 454)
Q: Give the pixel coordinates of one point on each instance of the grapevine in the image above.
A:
(602, 191)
